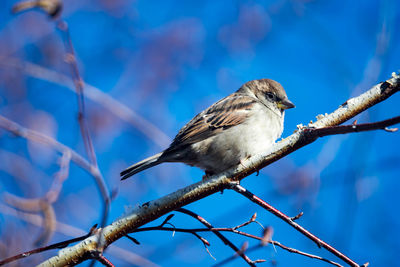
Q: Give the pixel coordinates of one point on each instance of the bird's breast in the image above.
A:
(226, 149)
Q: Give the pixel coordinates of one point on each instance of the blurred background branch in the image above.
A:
(111, 105)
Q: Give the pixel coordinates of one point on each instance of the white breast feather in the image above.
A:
(250, 138)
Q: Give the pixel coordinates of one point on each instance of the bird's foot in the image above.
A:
(207, 175)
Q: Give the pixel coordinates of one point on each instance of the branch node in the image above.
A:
(297, 216)
(237, 187)
(396, 77)
(390, 130)
(134, 240)
(169, 217)
(254, 217)
(267, 235)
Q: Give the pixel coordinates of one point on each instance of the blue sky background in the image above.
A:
(167, 61)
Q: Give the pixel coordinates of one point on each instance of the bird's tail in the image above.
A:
(140, 166)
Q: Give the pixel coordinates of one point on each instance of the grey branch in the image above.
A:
(157, 208)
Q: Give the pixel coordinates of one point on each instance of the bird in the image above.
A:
(239, 126)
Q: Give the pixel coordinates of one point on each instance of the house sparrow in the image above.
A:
(241, 125)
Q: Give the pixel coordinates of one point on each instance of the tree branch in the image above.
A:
(320, 243)
(38, 137)
(156, 208)
(62, 244)
(218, 234)
(109, 103)
(234, 230)
(354, 128)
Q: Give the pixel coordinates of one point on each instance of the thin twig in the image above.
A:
(58, 245)
(353, 128)
(70, 58)
(68, 230)
(252, 219)
(320, 243)
(298, 216)
(134, 240)
(243, 249)
(232, 230)
(103, 260)
(296, 251)
(218, 234)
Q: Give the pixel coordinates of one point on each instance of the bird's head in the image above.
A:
(270, 93)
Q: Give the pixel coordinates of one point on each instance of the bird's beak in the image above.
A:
(285, 104)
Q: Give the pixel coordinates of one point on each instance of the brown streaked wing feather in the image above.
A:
(213, 120)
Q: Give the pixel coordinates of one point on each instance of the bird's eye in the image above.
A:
(270, 96)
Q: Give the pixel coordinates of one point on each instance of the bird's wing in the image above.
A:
(228, 112)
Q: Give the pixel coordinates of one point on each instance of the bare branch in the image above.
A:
(70, 58)
(269, 241)
(252, 219)
(320, 243)
(62, 244)
(68, 153)
(60, 177)
(44, 204)
(35, 136)
(112, 105)
(169, 217)
(218, 234)
(298, 216)
(353, 128)
(134, 240)
(68, 230)
(265, 239)
(157, 208)
(104, 261)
